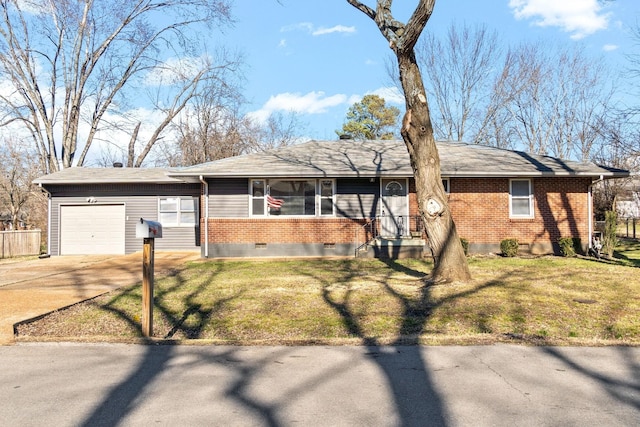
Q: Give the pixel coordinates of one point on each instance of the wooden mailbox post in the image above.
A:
(148, 231)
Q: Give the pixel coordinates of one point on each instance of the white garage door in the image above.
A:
(92, 229)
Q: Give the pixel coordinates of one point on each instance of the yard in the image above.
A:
(543, 300)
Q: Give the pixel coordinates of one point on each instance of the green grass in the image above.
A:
(628, 252)
(546, 300)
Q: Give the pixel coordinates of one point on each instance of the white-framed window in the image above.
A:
(291, 197)
(177, 211)
(257, 194)
(445, 184)
(520, 198)
(325, 193)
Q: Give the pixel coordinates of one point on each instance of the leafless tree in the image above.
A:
(620, 148)
(460, 71)
(72, 64)
(208, 134)
(278, 130)
(417, 132)
(549, 101)
(213, 130)
(19, 197)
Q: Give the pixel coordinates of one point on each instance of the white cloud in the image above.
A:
(174, 70)
(310, 103)
(300, 26)
(35, 8)
(578, 17)
(391, 95)
(320, 31)
(335, 29)
(353, 99)
(610, 47)
(282, 44)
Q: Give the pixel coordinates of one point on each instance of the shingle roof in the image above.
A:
(390, 158)
(82, 175)
(345, 158)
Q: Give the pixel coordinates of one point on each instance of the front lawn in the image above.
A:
(546, 300)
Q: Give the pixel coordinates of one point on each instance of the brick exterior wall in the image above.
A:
(283, 230)
(480, 210)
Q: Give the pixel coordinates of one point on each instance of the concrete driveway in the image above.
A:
(31, 288)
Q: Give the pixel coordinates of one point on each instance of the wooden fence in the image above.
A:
(19, 243)
(629, 228)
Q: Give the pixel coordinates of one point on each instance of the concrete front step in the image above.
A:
(394, 248)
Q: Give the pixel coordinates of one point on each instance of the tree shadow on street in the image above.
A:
(625, 390)
(123, 398)
(401, 361)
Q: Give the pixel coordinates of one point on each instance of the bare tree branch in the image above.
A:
(87, 54)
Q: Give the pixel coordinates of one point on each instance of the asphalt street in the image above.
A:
(137, 385)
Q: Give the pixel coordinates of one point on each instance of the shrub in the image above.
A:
(509, 247)
(609, 237)
(465, 245)
(570, 246)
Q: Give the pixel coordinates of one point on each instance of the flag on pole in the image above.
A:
(274, 203)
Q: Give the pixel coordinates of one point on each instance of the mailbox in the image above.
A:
(146, 229)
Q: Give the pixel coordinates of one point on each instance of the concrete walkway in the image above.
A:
(31, 288)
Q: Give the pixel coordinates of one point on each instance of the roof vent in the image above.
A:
(345, 136)
(117, 165)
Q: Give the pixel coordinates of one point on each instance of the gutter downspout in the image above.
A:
(206, 216)
(48, 218)
(590, 209)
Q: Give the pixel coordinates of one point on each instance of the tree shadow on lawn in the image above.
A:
(190, 330)
(121, 400)
(401, 362)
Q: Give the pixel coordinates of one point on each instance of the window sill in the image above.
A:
(522, 218)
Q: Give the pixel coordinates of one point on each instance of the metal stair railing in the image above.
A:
(369, 228)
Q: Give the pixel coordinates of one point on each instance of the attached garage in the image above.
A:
(92, 229)
(96, 210)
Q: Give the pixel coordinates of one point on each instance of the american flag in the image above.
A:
(274, 203)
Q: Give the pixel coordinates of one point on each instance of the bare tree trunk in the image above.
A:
(450, 263)
(131, 152)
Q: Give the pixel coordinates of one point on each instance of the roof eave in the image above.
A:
(114, 181)
(457, 174)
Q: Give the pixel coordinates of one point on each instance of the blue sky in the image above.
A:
(318, 57)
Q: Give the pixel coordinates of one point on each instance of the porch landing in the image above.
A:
(381, 247)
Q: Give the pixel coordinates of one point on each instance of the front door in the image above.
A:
(394, 209)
